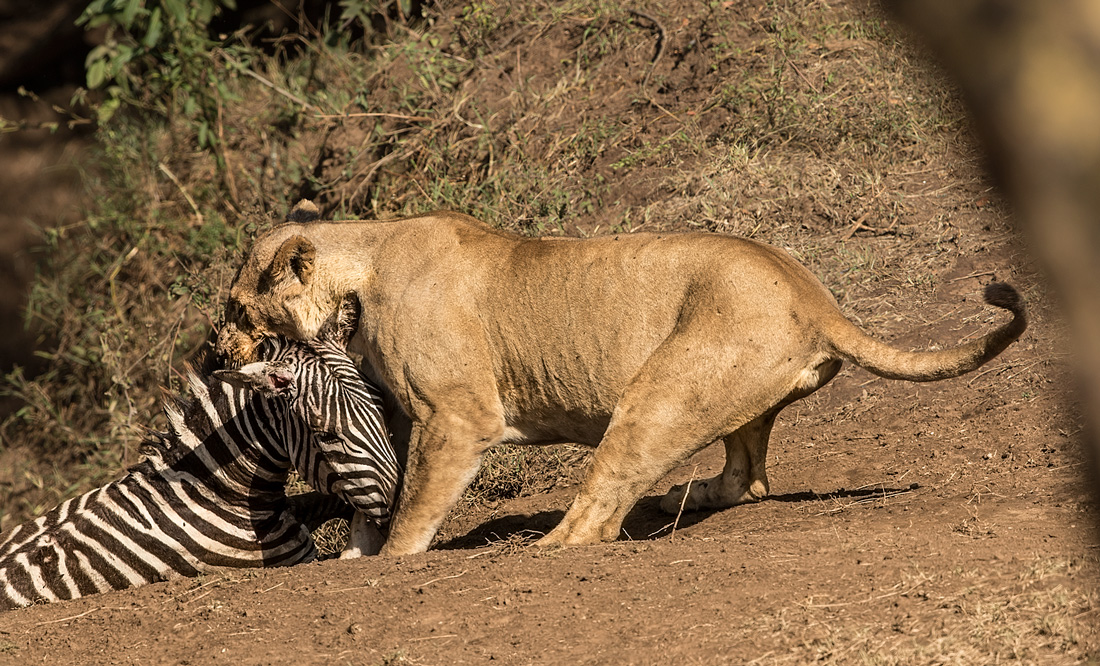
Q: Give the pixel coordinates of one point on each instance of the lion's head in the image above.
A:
(276, 292)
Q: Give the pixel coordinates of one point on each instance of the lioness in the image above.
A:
(647, 346)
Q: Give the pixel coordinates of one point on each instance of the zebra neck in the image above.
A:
(247, 487)
(233, 442)
(248, 478)
(235, 481)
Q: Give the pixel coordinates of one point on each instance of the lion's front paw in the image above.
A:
(551, 541)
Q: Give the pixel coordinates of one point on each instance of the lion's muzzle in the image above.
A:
(234, 347)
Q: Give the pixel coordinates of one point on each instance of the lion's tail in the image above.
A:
(925, 366)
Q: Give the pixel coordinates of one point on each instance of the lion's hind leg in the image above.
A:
(744, 478)
(688, 394)
(635, 453)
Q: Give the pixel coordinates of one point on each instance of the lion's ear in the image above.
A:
(294, 258)
(342, 325)
(304, 211)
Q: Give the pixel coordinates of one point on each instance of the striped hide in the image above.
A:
(211, 491)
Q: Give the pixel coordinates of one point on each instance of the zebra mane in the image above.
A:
(185, 414)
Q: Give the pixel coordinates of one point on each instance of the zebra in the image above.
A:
(211, 492)
(350, 455)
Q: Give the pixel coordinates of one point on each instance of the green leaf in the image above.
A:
(97, 73)
(107, 109)
(152, 36)
(98, 20)
(203, 12)
(95, 10)
(122, 58)
(129, 12)
(101, 52)
(177, 10)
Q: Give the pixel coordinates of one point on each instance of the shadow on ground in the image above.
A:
(645, 522)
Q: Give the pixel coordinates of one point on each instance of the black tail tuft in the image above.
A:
(1003, 296)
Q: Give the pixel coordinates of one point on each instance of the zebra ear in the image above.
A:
(304, 211)
(267, 378)
(340, 328)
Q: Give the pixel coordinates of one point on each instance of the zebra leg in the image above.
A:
(364, 538)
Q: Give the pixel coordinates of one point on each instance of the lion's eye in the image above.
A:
(236, 313)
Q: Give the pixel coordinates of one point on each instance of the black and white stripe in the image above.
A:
(350, 455)
(211, 492)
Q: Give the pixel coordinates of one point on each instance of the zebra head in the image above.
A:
(344, 448)
(290, 369)
(321, 384)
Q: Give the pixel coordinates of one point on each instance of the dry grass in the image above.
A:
(508, 472)
(1040, 616)
(330, 538)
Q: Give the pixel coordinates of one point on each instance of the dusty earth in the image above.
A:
(41, 189)
(908, 524)
(941, 523)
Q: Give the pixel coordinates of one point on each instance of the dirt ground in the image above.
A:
(939, 523)
(41, 189)
(943, 523)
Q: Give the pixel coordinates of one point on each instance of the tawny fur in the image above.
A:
(648, 346)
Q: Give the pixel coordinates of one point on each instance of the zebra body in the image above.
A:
(212, 491)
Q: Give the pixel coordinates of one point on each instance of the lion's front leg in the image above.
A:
(444, 456)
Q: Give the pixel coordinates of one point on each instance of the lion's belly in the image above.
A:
(548, 400)
(577, 431)
(570, 324)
